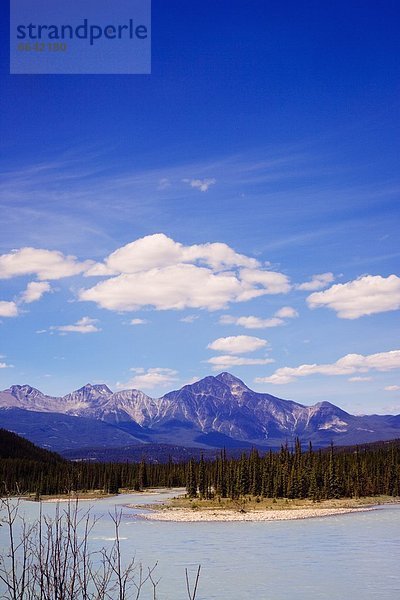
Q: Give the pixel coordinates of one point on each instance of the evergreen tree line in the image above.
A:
(316, 475)
(20, 476)
(289, 473)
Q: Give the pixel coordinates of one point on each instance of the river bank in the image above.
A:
(186, 510)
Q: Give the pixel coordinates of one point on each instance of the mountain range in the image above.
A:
(214, 412)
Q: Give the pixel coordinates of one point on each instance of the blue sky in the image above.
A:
(268, 128)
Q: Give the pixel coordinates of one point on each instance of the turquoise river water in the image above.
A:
(346, 557)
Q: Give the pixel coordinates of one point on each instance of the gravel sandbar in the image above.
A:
(192, 516)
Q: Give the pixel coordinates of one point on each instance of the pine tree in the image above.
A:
(202, 479)
(191, 483)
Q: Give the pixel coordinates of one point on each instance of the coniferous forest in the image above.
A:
(290, 473)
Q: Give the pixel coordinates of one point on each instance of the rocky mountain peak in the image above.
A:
(217, 409)
(236, 385)
(24, 391)
(100, 388)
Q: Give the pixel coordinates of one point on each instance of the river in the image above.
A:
(354, 556)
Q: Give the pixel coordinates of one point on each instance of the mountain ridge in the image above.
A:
(214, 411)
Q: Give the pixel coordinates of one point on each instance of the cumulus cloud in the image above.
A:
(45, 264)
(366, 295)
(317, 282)
(359, 379)
(228, 361)
(275, 283)
(347, 365)
(34, 291)
(200, 184)
(239, 344)
(159, 251)
(8, 309)
(252, 322)
(150, 378)
(287, 312)
(84, 325)
(392, 388)
(138, 322)
(159, 272)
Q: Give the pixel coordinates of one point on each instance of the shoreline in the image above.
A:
(194, 514)
(183, 515)
(99, 495)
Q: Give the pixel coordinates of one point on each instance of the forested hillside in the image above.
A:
(15, 446)
(290, 473)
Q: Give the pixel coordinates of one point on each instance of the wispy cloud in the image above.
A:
(84, 325)
(34, 291)
(252, 322)
(4, 365)
(226, 361)
(317, 282)
(189, 319)
(201, 184)
(347, 365)
(148, 379)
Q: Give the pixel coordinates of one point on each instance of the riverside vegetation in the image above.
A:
(51, 559)
(372, 470)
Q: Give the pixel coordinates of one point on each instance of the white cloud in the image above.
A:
(159, 272)
(34, 291)
(4, 365)
(138, 322)
(173, 287)
(158, 251)
(150, 378)
(239, 344)
(317, 282)
(99, 270)
(8, 309)
(392, 388)
(189, 319)
(227, 361)
(287, 312)
(84, 325)
(359, 379)
(200, 184)
(274, 283)
(367, 295)
(251, 322)
(364, 296)
(347, 365)
(45, 264)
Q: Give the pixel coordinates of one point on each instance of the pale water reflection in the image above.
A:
(353, 556)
